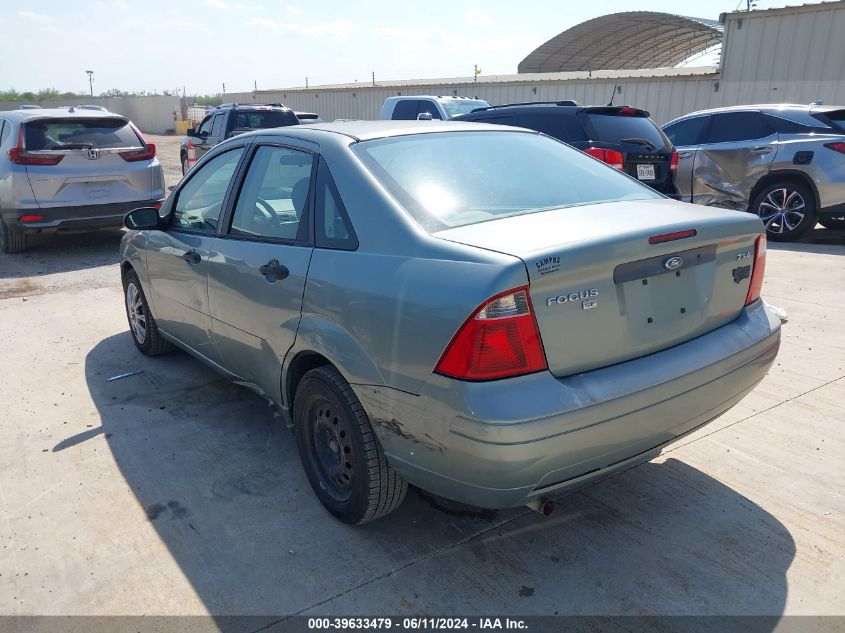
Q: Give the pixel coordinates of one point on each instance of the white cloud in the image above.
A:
(233, 6)
(38, 18)
(170, 26)
(293, 9)
(335, 27)
(477, 17)
(113, 4)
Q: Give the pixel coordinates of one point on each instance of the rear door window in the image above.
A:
(333, 228)
(405, 110)
(738, 126)
(615, 127)
(686, 132)
(79, 133)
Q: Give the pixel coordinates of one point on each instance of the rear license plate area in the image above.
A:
(645, 172)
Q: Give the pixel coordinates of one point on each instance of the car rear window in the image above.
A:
(450, 179)
(263, 119)
(834, 117)
(78, 133)
(457, 107)
(615, 127)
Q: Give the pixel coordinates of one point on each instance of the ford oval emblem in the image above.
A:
(673, 263)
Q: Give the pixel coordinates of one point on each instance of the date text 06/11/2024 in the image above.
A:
(416, 623)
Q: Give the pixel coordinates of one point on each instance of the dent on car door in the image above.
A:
(685, 136)
(257, 270)
(177, 257)
(737, 151)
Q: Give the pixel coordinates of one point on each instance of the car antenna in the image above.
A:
(612, 96)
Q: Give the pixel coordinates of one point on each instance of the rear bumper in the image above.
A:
(81, 218)
(500, 444)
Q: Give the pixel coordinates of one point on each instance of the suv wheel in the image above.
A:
(341, 455)
(787, 209)
(185, 164)
(833, 223)
(11, 240)
(142, 325)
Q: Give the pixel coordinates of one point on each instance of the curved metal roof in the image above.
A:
(634, 39)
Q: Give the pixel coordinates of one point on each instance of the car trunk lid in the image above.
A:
(603, 294)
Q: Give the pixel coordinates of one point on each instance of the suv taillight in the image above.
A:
(836, 147)
(148, 152)
(499, 340)
(757, 271)
(673, 164)
(19, 156)
(609, 156)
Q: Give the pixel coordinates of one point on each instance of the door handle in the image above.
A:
(684, 154)
(192, 257)
(274, 271)
(761, 150)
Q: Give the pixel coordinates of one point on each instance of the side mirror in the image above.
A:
(191, 131)
(424, 116)
(143, 219)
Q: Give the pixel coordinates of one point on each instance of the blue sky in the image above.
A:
(200, 44)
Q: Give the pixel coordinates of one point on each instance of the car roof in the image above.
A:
(367, 130)
(55, 113)
(758, 107)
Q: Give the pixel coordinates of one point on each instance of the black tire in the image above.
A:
(11, 240)
(340, 453)
(833, 223)
(149, 341)
(186, 166)
(787, 208)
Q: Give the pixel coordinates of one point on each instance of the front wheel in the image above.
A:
(186, 166)
(340, 453)
(142, 325)
(787, 209)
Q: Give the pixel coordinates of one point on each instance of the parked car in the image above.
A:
(427, 107)
(226, 121)
(481, 311)
(621, 136)
(71, 169)
(785, 163)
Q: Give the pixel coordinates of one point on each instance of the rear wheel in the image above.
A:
(142, 325)
(833, 223)
(11, 240)
(185, 164)
(787, 209)
(341, 455)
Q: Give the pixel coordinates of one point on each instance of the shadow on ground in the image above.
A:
(47, 254)
(221, 482)
(819, 240)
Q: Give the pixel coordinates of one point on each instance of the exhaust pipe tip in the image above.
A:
(543, 505)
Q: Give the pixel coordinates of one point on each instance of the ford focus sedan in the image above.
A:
(480, 311)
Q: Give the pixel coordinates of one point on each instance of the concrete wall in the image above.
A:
(151, 114)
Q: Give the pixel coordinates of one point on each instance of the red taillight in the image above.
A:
(628, 111)
(836, 147)
(671, 237)
(147, 152)
(19, 156)
(609, 156)
(156, 205)
(499, 340)
(673, 165)
(757, 271)
(31, 218)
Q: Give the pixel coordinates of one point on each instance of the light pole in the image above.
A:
(90, 81)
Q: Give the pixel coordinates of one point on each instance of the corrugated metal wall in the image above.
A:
(794, 54)
(665, 98)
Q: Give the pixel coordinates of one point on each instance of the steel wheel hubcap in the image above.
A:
(137, 315)
(333, 449)
(782, 210)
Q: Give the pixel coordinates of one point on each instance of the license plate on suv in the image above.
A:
(645, 172)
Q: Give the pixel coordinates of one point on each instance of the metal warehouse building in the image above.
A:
(793, 54)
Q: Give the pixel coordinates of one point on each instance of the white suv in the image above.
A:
(424, 107)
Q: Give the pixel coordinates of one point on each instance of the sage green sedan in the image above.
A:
(480, 311)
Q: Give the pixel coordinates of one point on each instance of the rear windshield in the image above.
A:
(614, 127)
(262, 119)
(457, 107)
(451, 179)
(78, 133)
(835, 117)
